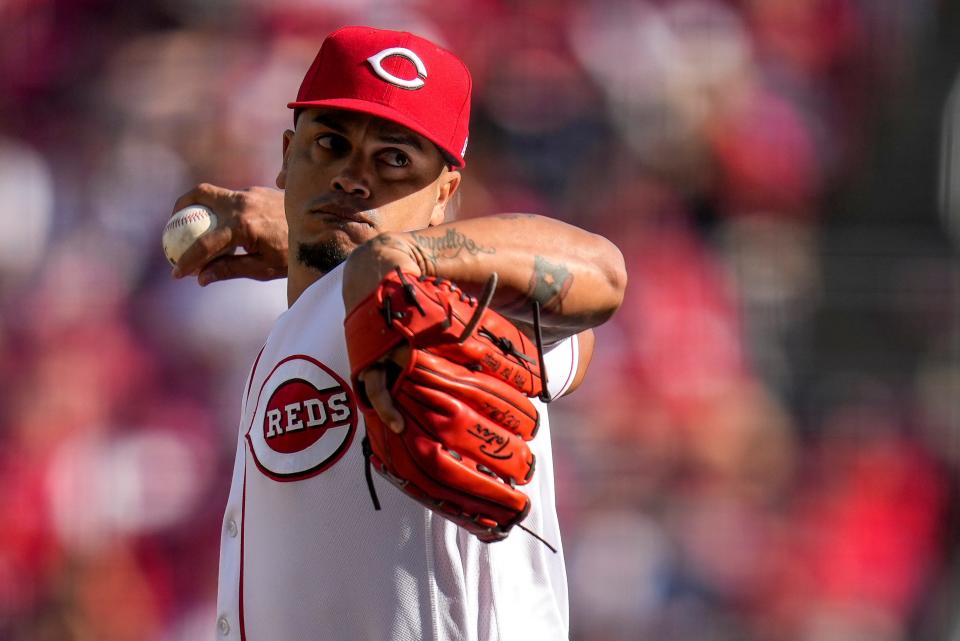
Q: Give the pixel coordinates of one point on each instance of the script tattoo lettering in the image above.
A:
(549, 283)
(450, 245)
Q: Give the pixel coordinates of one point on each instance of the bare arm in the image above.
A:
(577, 277)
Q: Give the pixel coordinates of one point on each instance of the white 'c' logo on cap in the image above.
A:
(376, 61)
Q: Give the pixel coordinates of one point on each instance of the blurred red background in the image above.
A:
(767, 445)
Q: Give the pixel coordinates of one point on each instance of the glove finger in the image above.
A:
(483, 445)
(480, 355)
(489, 396)
(441, 481)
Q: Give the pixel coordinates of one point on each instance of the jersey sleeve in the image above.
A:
(562, 360)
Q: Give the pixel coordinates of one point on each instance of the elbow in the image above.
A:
(616, 273)
(612, 271)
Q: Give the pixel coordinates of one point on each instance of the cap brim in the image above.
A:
(381, 111)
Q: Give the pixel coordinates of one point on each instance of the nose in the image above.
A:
(350, 179)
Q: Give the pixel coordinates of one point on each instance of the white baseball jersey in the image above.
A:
(305, 557)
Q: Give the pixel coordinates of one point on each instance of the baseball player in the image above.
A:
(368, 172)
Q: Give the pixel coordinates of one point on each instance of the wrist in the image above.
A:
(370, 262)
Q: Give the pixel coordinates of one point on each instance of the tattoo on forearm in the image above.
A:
(450, 245)
(549, 284)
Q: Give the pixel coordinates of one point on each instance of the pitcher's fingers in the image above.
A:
(375, 384)
(205, 249)
(203, 194)
(243, 266)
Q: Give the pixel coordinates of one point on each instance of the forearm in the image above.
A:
(577, 277)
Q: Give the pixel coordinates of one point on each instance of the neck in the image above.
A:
(298, 280)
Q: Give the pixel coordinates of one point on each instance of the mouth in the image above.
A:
(342, 213)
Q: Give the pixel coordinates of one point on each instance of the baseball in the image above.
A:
(184, 227)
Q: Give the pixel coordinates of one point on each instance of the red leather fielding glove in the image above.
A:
(463, 396)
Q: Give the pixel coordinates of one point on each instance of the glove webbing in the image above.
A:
(502, 342)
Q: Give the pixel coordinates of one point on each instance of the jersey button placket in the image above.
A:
(232, 528)
(223, 626)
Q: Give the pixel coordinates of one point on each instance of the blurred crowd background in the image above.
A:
(767, 448)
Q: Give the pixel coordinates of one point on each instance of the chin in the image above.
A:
(323, 255)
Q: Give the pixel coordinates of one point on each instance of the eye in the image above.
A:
(395, 158)
(332, 142)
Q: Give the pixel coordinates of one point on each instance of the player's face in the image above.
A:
(350, 176)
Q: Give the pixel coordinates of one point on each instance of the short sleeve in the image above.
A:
(562, 360)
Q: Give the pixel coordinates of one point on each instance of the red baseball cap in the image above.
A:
(397, 76)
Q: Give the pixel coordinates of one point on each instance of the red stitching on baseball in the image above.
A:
(187, 219)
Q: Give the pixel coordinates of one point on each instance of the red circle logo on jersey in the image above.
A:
(305, 419)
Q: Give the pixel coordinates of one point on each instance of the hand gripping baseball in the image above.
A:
(251, 220)
(462, 394)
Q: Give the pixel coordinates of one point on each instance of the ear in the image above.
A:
(449, 182)
(282, 176)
